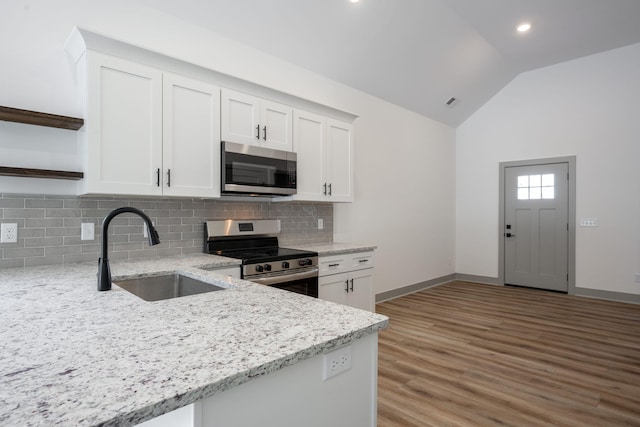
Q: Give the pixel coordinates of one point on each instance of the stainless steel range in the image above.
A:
(255, 242)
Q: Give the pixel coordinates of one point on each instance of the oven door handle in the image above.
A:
(283, 278)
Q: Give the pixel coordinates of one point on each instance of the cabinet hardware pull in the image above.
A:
(325, 189)
(264, 131)
(258, 132)
(168, 177)
(158, 178)
(364, 260)
(329, 189)
(347, 288)
(351, 285)
(333, 265)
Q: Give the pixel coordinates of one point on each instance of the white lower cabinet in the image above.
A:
(347, 279)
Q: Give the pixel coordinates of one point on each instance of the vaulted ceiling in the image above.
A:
(419, 53)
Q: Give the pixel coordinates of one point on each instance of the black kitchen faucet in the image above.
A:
(104, 272)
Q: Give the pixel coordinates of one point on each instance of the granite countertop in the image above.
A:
(70, 355)
(326, 249)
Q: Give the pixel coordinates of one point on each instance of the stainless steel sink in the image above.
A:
(165, 287)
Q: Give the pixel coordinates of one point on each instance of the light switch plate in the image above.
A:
(588, 222)
(87, 231)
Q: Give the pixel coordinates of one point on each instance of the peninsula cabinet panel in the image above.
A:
(124, 125)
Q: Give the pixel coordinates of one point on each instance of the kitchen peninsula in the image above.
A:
(74, 356)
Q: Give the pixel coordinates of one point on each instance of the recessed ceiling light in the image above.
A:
(524, 27)
(354, 1)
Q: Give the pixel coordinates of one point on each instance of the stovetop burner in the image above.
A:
(252, 241)
(263, 261)
(271, 254)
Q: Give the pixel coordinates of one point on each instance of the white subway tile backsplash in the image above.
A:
(49, 226)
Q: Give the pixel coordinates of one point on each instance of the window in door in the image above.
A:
(536, 187)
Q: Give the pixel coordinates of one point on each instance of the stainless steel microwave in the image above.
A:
(251, 170)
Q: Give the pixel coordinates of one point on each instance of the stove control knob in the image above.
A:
(267, 267)
(304, 262)
(285, 264)
(259, 268)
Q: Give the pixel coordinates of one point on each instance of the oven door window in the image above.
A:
(304, 286)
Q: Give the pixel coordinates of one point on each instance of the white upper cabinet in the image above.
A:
(191, 137)
(247, 119)
(149, 132)
(325, 158)
(123, 150)
(339, 161)
(309, 137)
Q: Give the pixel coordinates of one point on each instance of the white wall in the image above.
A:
(587, 107)
(404, 200)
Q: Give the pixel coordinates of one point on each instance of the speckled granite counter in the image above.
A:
(70, 355)
(326, 249)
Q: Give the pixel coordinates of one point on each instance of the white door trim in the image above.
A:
(571, 256)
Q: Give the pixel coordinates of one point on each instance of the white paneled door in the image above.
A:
(536, 226)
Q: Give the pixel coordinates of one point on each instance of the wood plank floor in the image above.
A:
(464, 354)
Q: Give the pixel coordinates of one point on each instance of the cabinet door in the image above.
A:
(124, 118)
(339, 160)
(191, 137)
(361, 289)
(276, 129)
(240, 117)
(308, 142)
(334, 288)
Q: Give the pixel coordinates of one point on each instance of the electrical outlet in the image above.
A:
(320, 223)
(588, 222)
(87, 231)
(336, 362)
(9, 233)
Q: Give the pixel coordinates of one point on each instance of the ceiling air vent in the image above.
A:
(451, 102)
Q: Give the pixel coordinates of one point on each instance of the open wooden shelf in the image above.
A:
(17, 115)
(40, 119)
(40, 173)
